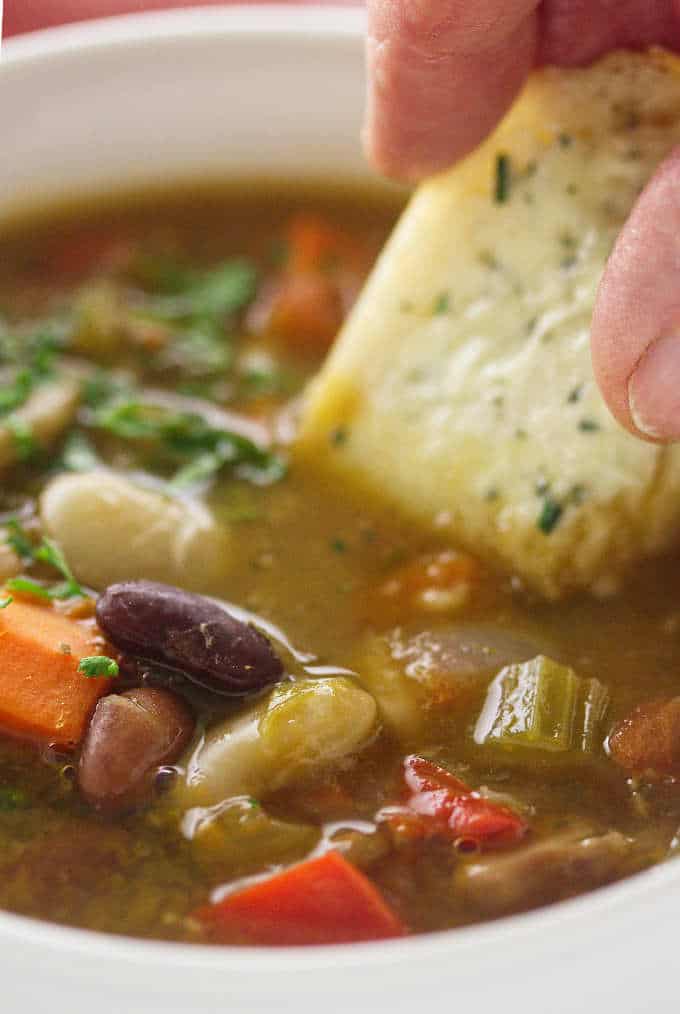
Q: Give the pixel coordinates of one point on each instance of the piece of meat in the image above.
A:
(550, 870)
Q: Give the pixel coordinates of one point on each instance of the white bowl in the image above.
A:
(274, 91)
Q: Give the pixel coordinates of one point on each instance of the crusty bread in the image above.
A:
(461, 389)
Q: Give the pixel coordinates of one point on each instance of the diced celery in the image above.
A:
(543, 705)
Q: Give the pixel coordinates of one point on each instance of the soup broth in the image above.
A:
(515, 753)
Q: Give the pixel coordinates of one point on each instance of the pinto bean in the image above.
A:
(648, 740)
(188, 632)
(129, 737)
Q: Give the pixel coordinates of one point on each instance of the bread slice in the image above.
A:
(461, 390)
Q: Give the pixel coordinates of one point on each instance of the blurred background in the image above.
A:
(26, 15)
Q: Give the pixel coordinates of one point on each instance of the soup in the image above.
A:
(237, 705)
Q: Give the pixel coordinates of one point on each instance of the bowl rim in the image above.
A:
(582, 920)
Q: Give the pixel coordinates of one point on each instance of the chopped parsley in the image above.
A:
(442, 304)
(575, 394)
(7, 601)
(549, 515)
(18, 540)
(339, 546)
(25, 444)
(339, 436)
(14, 394)
(588, 425)
(48, 553)
(95, 666)
(196, 450)
(31, 361)
(198, 306)
(502, 187)
(101, 387)
(212, 293)
(266, 380)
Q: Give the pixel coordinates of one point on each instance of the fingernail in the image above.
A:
(654, 390)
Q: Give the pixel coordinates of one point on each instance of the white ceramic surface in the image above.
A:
(217, 92)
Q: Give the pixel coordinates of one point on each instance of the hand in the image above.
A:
(441, 75)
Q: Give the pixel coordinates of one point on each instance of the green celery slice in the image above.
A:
(545, 706)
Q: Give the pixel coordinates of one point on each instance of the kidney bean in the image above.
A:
(130, 736)
(188, 632)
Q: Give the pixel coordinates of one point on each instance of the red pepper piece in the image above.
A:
(447, 806)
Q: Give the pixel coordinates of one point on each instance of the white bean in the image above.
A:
(113, 530)
(297, 729)
(46, 414)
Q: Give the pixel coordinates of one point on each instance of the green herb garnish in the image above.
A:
(502, 189)
(13, 395)
(18, 540)
(197, 450)
(549, 515)
(25, 444)
(48, 553)
(442, 304)
(6, 602)
(218, 292)
(95, 666)
(339, 436)
(33, 357)
(588, 425)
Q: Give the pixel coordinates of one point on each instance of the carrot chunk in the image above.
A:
(306, 311)
(305, 305)
(42, 694)
(321, 901)
(434, 583)
(317, 245)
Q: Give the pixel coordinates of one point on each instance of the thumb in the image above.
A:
(635, 334)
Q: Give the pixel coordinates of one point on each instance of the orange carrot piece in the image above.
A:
(315, 245)
(306, 311)
(42, 694)
(433, 583)
(321, 901)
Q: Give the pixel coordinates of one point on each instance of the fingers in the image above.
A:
(441, 74)
(636, 324)
(574, 32)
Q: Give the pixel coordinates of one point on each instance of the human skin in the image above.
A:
(441, 75)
